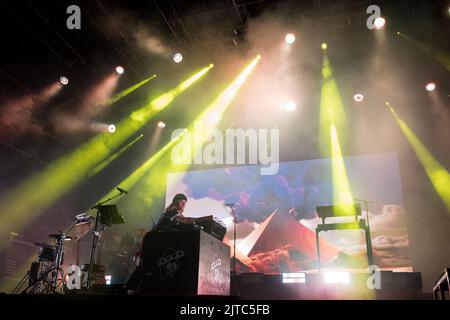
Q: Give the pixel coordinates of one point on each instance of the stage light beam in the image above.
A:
(217, 107)
(331, 108)
(161, 161)
(36, 193)
(438, 55)
(127, 91)
(105, 163)
(436, 172)
(332, 129)
(342, 193)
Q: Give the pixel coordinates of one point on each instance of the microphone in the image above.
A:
(229, 204)
(122, 190)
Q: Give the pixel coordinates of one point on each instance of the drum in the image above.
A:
(46, 254)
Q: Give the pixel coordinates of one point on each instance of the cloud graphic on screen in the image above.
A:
(300, 188)
(391, 221)
(392, 251)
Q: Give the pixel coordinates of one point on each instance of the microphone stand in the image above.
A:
(368, 238)
(96, 236)
(233, 272)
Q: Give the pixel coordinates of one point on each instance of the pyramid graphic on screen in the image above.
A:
(280, 230)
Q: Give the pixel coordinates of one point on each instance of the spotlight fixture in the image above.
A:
(324, 46)
(63, 80)
(431, 86)
(358, 97)
(111, 128)
(290, 38)
(290, 106)
(120, 70)
(161, 124)
(379, 23)
(177, 57)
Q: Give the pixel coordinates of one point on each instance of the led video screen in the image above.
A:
(276, 215)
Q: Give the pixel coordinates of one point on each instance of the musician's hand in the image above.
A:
(182, 219)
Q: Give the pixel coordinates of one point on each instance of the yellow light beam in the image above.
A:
(129, 90)
(134, 177)
(151, 182)
(342, 193)
(106, 162)
(440, 56)
(330, 101)
(332, 127)
(438, 175)
(151, 190)
(27, 200)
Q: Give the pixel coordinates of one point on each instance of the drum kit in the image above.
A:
(46, 275)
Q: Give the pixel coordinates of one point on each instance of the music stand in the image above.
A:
(109, 215)
(343, 210)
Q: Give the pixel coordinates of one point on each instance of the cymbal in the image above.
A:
(58, 236)
(43, 245)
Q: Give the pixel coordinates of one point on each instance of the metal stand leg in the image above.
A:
(442, 291)
(369, 247)
(91, 261)
(21, 283)
(318, 250)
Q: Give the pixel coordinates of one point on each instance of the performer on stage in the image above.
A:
(171, 216)
(174, 213)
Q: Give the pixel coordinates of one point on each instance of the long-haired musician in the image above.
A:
(174, 213)
(171, 216)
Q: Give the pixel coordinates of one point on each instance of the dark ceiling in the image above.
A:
(38, 43)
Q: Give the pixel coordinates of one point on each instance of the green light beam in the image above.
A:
(27, 200)
(105, 163)
(438, 175)
(127, 91)
(441, 57)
